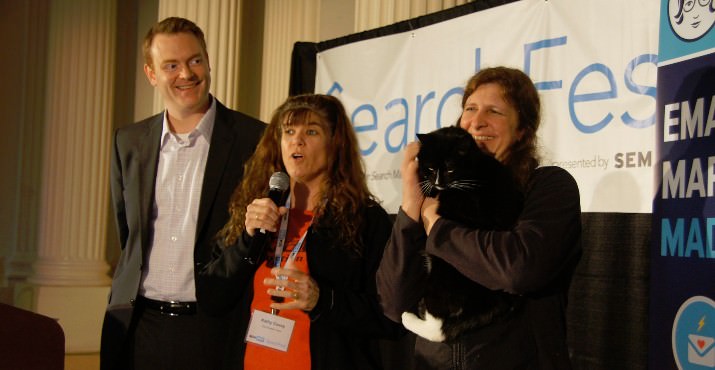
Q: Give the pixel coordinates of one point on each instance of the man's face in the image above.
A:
(180, 71)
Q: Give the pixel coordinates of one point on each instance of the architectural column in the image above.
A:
(70, 279)
(23, 200)
(285, 23)
(221, 22)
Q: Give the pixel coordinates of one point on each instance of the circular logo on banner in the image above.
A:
(691, 19)
(694, 334)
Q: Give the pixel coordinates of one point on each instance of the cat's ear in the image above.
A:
(420, 136)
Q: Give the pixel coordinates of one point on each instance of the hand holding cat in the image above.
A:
(412, 197)
(429, 213)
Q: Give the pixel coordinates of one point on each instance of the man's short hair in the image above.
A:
(171, 25)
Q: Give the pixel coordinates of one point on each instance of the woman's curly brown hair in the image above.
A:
(345, 193)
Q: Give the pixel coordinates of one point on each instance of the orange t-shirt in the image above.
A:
(298, 355)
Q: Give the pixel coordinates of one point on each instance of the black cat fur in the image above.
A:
(475, 190)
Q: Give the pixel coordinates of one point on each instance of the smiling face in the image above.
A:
(691, 19)
(180, 71)
(304, 149)
(491, 120)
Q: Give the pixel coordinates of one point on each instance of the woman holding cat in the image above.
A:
(534, 259)
(318, 274)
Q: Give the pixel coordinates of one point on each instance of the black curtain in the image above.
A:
(608, 301)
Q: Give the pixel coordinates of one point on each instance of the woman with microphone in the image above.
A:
(305, 298)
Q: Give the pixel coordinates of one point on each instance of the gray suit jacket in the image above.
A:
(133, 172)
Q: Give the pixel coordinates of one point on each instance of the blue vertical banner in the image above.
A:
(682, 291)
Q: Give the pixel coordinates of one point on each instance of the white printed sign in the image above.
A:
(593, 62)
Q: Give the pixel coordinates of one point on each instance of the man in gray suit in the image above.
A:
(171, 179)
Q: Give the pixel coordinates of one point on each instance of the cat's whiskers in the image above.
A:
(426, 187)
(464, 184)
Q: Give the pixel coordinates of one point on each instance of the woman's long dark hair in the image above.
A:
(345, 191)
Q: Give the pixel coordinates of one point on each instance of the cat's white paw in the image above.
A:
(430, 328)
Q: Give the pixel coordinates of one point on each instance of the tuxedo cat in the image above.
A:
(476, 190)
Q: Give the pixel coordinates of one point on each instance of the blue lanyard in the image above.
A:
(280, 243)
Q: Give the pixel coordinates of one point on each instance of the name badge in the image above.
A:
(269, 330)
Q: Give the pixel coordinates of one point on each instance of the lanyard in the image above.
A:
(280, 243)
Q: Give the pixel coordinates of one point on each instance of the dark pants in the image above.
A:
(190, 342)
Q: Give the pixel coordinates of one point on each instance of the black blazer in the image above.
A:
(135, 157)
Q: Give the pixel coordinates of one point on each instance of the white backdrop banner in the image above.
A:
(593, 62)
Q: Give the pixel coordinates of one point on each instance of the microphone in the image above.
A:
(278, 186)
